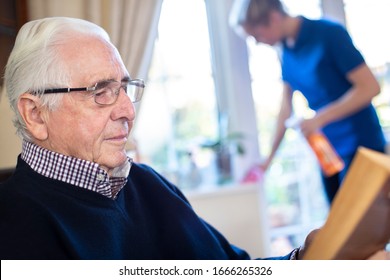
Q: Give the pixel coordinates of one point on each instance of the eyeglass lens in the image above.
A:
(107, 93)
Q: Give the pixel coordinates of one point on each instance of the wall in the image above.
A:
(10, 144)
(13, 15)
(42, 8)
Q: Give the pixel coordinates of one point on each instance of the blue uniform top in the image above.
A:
(317, 66)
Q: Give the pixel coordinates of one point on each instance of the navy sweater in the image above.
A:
(42, 218)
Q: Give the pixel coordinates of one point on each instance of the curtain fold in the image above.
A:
(133, 27)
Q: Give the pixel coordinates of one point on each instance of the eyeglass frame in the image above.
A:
(138, 83)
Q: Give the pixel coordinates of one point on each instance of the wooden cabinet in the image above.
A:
(13, 14)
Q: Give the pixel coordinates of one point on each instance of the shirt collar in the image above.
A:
(74, 171)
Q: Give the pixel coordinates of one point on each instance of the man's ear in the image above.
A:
(31, 111)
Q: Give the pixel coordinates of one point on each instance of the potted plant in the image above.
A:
(224, 148)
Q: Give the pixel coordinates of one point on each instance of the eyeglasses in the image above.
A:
(107, 92)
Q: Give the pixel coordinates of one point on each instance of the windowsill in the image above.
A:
(228, 189)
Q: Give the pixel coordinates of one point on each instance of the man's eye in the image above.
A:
(100, 92)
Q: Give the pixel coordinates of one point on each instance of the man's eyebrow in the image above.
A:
(126, 79)
(104, 82)
(107, 81)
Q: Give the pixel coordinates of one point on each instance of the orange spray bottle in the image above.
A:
(329, 161)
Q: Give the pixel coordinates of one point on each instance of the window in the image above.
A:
(369, 36)
(178, 112)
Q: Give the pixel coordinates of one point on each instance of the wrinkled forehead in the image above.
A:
(91, 58)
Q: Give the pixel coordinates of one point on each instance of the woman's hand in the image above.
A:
(306, 244)
(380, 255)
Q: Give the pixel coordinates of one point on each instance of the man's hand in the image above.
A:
(380, 255)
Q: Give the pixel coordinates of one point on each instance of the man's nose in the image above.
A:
(124, 107)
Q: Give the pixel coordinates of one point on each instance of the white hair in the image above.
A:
(35, 65)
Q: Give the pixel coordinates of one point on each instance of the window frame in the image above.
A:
(229, 57)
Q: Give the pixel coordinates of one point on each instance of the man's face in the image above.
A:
(81, 128)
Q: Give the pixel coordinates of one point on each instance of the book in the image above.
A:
(358, 223)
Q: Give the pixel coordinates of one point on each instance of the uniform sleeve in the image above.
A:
(341, 47)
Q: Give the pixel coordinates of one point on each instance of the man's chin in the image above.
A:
(114, 159)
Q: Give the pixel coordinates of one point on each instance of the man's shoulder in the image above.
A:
(145, 171)
(14, 189)
(142, 175)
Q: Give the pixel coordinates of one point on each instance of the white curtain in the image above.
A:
(132, 24)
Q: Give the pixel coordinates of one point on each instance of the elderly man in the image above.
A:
(75, 194)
